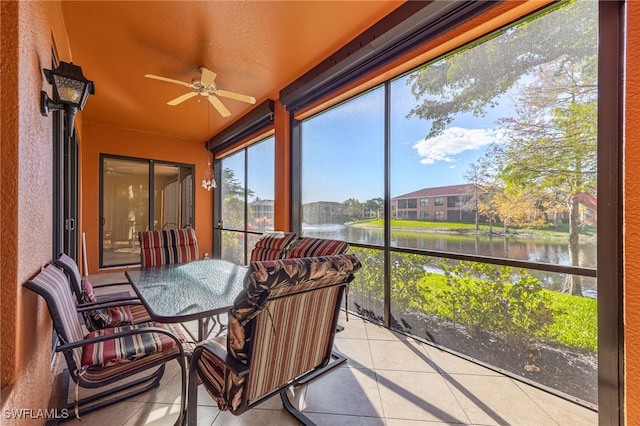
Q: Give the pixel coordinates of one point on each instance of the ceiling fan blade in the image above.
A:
(236, 96)
(182, 98)
(219, 106)
(208, 76)
(169, 80)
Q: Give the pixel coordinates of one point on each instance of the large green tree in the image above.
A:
(549, 65)
(374, 205)
(551, 146)
(472, 80)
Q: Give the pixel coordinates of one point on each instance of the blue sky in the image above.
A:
(343, 151)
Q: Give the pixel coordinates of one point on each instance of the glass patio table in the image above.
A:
(188, 291)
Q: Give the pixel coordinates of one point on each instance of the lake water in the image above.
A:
(556, 253)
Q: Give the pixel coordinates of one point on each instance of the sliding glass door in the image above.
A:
(138, 195)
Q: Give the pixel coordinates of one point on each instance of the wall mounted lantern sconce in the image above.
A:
(70, 91)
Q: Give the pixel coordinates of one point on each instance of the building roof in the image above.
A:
(439, 191)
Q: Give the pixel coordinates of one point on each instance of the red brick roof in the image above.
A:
(440, 191)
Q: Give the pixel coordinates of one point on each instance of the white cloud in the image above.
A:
(453, 141)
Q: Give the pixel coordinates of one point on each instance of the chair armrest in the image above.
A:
(90, 306)
(124, 333)
(232, 363)
(120, 283)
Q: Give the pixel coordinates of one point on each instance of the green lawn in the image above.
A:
(575, 321)
(467, 228)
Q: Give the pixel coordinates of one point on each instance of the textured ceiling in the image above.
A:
(255, 47)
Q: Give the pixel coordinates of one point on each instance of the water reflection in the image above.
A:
(556, 253)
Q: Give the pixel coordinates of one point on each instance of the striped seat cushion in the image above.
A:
(97, 375)
(115, 316)
(129, 348)
(312, 247)
(167, 246)
(272, 246)
(211, 371)
(139, 314)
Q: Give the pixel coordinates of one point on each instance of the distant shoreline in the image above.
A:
(470, 231)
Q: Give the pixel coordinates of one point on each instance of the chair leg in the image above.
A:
(150, 381)
(192, 396)
(286, 402)
(206, 326)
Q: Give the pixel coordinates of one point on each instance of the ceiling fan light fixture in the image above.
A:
(206, 87)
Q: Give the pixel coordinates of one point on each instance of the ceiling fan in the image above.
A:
(205, 86)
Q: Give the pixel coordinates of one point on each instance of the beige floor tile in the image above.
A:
(405, 355)
(389, 380)
(491, 400)
(344, 390)
(446, 362)
(403, 422)
(155, 415)
(296, 396)
(205, 415)
(353, 329)
(420, 396)
(205, 399)
(255, 417)
(169, 391)
(562, 411)
(117, 414)
(358, 350)
(377, 332)
(338, 420)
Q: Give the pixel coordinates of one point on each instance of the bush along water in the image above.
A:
(490, 298)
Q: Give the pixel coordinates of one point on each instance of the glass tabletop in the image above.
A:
(185, 291)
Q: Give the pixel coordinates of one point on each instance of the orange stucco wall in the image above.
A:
(29, 30)
(99, 138)
(631, 231)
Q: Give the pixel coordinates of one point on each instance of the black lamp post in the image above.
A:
(70, 91)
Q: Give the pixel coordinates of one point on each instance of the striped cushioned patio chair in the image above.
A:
(312, 247)
(281, 332)
(122, 309)
(272, 246)
(167, 246)
(107, 357)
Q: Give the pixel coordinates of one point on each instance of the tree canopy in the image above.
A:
(471, 80)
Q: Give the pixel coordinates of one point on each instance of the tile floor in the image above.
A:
(389, 379)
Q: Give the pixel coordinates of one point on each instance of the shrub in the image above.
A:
(495, 299)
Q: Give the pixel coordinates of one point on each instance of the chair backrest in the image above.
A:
(167, 246)
(312, 247)
(272, 246)
(70, 267)
(283, 323)
(52, 284)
